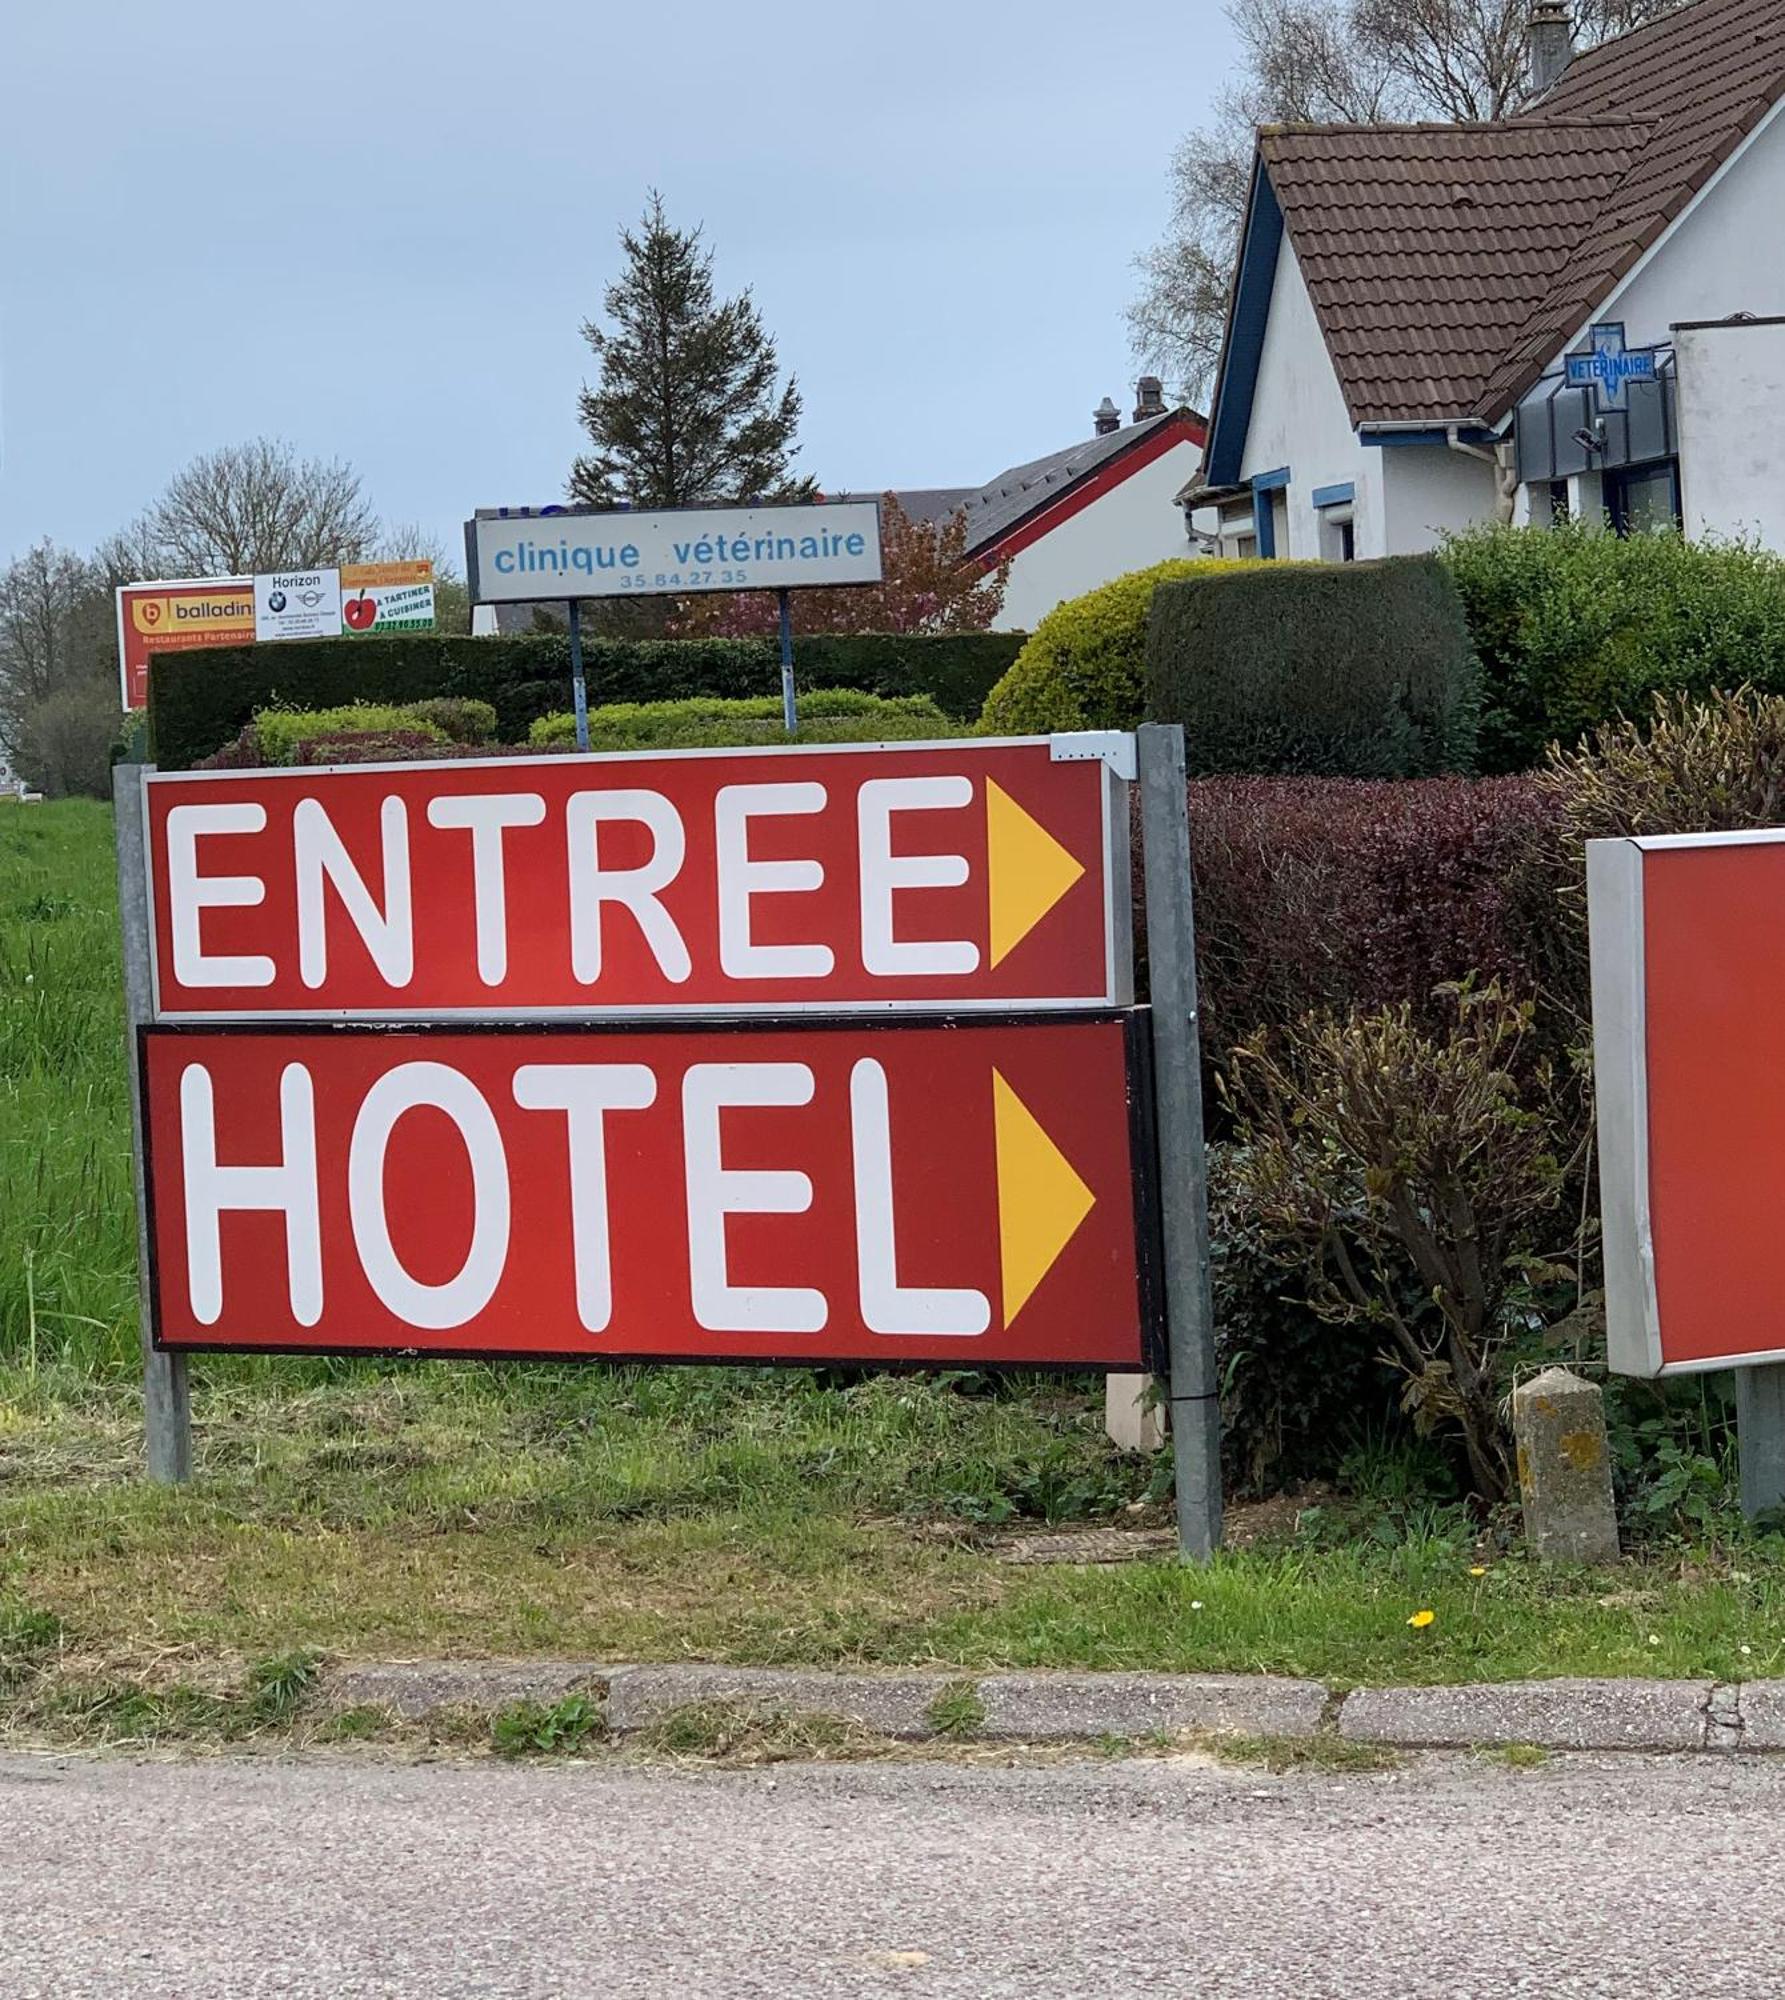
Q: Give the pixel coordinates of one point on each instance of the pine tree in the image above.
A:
(687, 408)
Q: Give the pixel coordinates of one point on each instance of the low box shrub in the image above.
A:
(1573, 627)
(198, 701)
(1357, 670)
(1084, 666)
(827, 715)
(282, 732)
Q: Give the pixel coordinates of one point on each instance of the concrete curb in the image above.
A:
(918, 1705)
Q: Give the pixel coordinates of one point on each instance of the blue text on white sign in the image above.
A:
(518, 558)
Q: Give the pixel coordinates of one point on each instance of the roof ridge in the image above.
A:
(1619, 44)
(1301, 128)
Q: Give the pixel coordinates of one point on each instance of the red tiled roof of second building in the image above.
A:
(1448, 264)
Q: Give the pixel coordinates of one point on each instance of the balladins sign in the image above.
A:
(545, 1149)
(515, 557)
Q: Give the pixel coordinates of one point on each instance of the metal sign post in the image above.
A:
(579, 692)
(1760, 1437)
(167, 1406)
(1194, 1396)
(788, 713)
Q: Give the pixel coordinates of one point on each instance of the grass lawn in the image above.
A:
(357, 1510)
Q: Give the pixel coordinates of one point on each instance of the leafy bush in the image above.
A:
(1084, 665)
(1296, 1389)
(1712, 765)
(198, 701)
(1405, 1173)
(1573, 627)
(1334, 892)
(375, 746)
(1359, 670)
(280, 732)
(827, 715)
(458, 718)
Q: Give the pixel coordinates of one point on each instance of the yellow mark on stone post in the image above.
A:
(1041, 1200)
(1027, 870)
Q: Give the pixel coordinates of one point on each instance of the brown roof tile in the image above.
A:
(1448, 263)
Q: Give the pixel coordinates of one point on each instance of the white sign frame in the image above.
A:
(522, 557)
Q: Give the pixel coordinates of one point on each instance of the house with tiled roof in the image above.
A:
(1081, 516)
(1580, 309)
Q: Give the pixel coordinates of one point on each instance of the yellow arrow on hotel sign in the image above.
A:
(1041, 1199)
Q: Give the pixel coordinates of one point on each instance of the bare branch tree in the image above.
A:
(409, 541)
(42, 594)
(1320, 62)
(259, 506)
(58, 669)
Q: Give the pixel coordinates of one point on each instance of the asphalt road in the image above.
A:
(335, 1877)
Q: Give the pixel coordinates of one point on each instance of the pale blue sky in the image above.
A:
(374, 229)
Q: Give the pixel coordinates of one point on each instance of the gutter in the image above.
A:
(1453, 438)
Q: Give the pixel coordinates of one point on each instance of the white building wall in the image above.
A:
(1430, 491)
(1299, 419)
(1133, 526)
(1732, 430)
(1726, 256)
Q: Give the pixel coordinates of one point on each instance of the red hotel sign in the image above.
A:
(1688, 940)
(928, 1191)
(971, 875)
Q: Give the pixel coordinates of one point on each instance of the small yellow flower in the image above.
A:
(1421, 1619)
(1478, 1569)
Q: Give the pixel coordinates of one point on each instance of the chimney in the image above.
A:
(1106, 417)
(1550, 39)
(1149, 398)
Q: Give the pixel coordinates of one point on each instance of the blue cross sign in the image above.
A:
(1608, 365)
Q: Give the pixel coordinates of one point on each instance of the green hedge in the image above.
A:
(829, 715)
(199, 700)
(1084, 666)
(1574, 626)
(1358, 670)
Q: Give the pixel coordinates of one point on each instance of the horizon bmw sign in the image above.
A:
(519, 556)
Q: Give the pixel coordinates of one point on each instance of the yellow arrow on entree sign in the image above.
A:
(1027, 870)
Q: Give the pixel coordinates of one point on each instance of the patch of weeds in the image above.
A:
(732, 1732)
(128, 1712)
(1521, 1756)
(1063, 1481)
(1303, 1753)
(532, 1729)
(25, 1636)
(277, 1687)
(354, 1725)
(957, 1710)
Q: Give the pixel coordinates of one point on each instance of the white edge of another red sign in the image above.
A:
(1621, 1088)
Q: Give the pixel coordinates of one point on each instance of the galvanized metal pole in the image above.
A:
(1760, 1436)
(167, 1404)
(788, 713)
(579, 692)
(1194, 1391)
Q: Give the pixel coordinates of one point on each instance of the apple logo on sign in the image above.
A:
(359, 612)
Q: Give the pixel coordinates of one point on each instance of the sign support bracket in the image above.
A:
(579, 691)
(1194, 1387)
(167, 1401)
